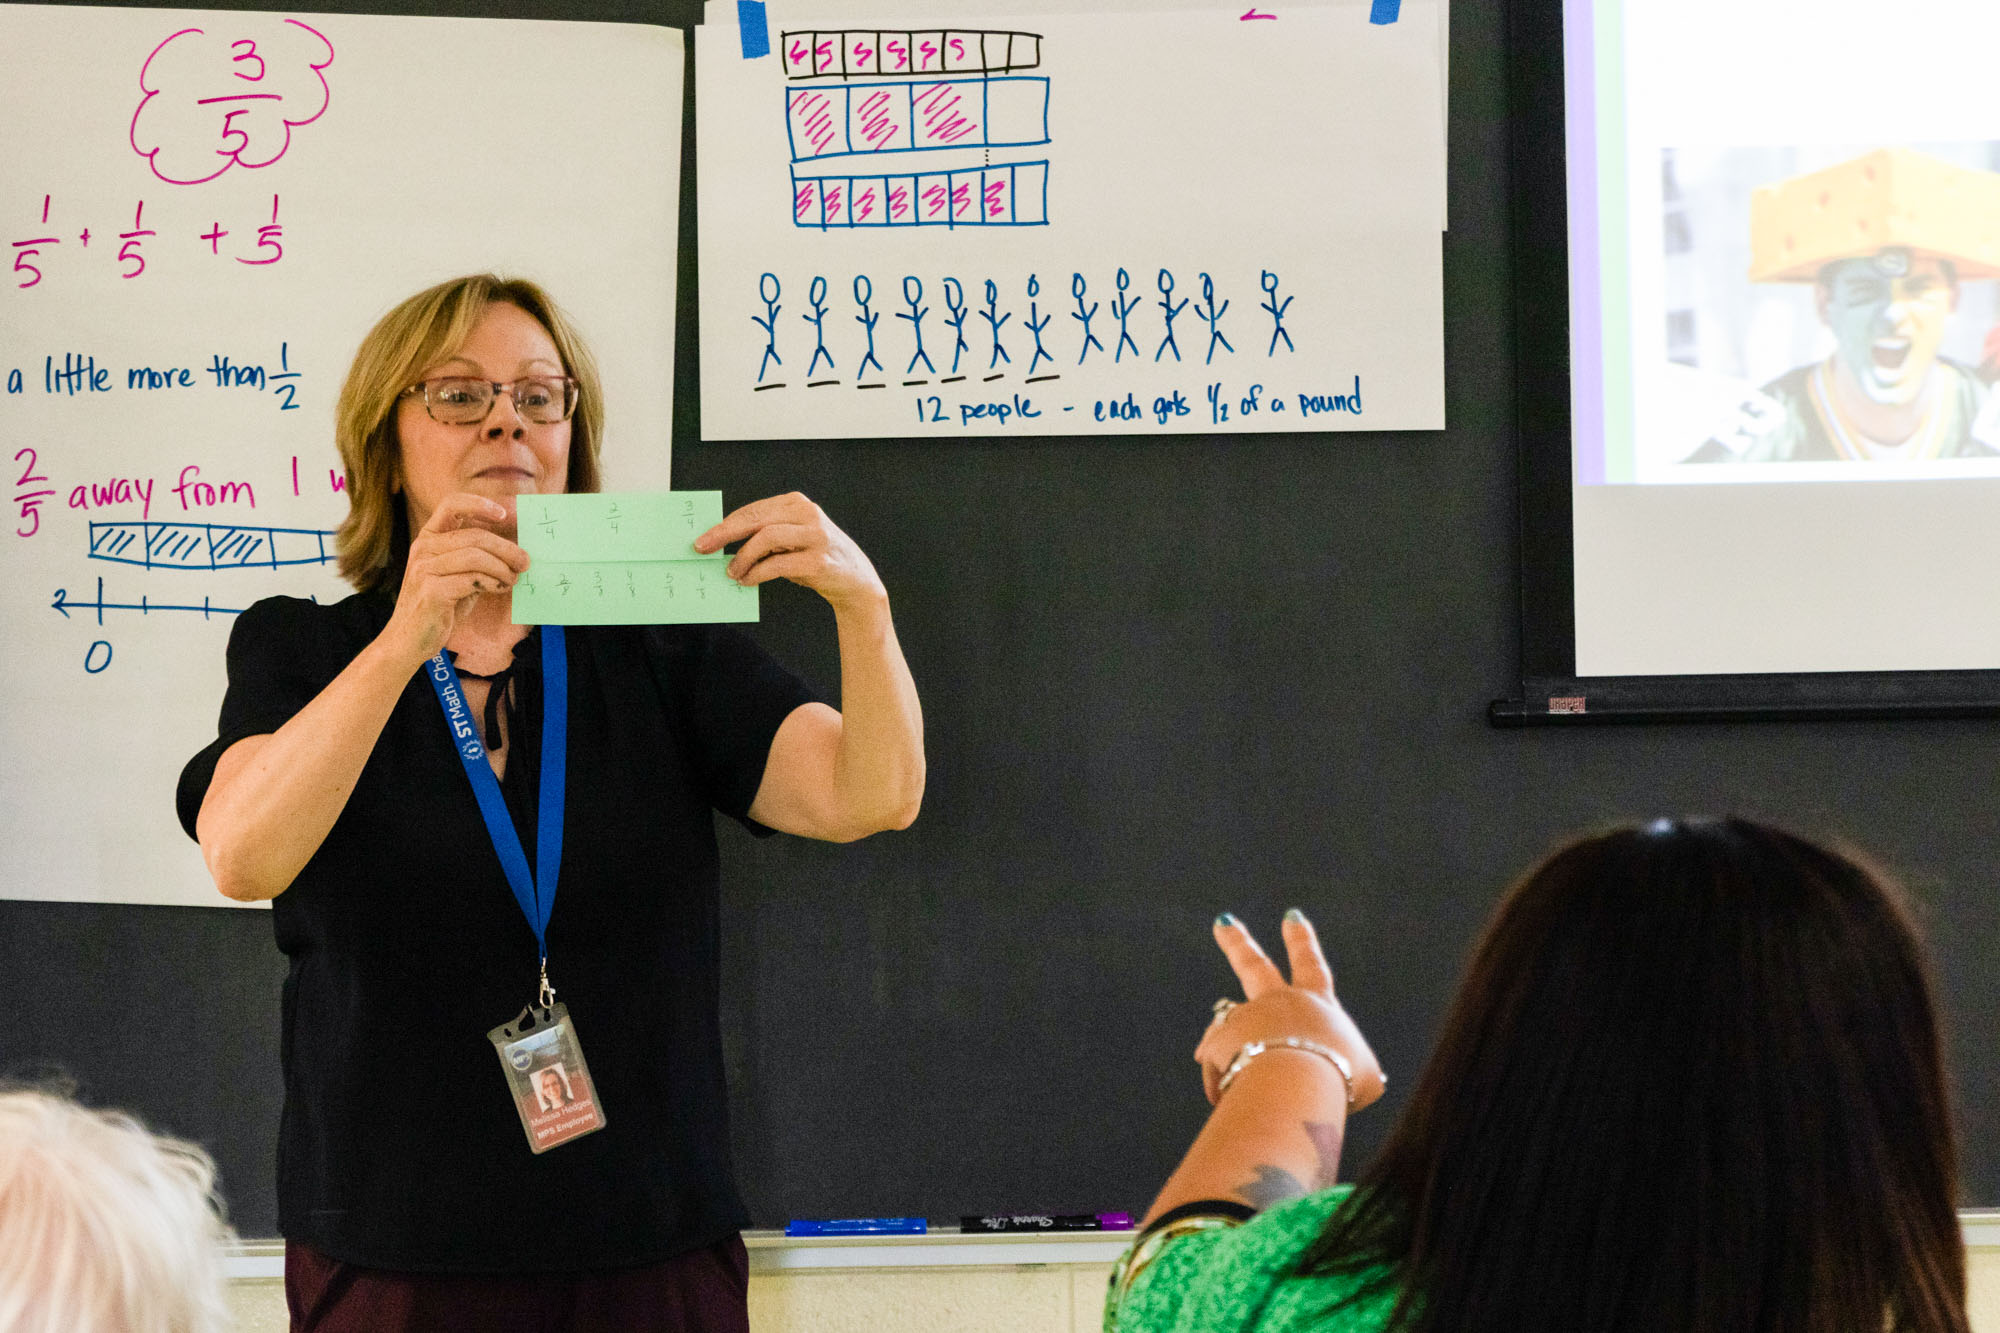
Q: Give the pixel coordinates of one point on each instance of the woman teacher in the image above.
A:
(409, 903)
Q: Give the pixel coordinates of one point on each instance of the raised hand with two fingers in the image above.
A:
(1274, 1010)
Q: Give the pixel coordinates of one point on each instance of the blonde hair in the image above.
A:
(105, 1227)
(420, 332)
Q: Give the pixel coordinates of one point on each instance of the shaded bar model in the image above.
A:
(875, 53)
(1004, 195)
(919, 115)
(208, 545)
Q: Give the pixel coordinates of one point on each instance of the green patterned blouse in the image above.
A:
(1211, 1276)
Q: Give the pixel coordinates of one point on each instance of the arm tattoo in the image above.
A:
(1326, 1142)
(1272, 1185)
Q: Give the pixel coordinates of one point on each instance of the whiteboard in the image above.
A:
(168, 403)
(1197, 221)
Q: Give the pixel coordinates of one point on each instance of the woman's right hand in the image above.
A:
(455, 558)
(1273, 1010)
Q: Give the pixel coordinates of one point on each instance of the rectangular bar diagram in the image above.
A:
(860, 118)
(1011, 196)
(208, 545)
(873, 52)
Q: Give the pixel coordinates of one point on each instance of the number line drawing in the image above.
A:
(208, 546)
(144, 606)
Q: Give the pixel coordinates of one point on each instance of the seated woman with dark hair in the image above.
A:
(1692, 1081)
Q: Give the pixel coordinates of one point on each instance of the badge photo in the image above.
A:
(550, 1083)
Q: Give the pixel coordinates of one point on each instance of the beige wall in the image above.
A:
(1056, 1298)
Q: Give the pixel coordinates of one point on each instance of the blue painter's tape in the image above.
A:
(757, 32)
(1385, 11)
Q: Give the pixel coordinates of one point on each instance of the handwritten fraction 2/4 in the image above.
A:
(916, 129)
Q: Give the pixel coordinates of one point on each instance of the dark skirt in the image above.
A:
(702, 1291)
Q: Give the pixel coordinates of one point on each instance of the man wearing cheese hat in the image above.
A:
(1885, 239)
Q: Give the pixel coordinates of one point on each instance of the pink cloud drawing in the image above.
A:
(213, 102)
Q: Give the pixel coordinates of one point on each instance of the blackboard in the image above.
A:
(1160, 679)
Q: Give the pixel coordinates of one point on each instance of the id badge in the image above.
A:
(546, 1074)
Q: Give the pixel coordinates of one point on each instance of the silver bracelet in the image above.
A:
(1256, 1048)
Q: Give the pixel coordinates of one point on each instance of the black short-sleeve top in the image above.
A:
(399, 1145)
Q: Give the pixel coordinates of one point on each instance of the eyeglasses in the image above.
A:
(461, 401)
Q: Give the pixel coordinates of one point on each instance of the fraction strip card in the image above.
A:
(944, 224)
(625, 559)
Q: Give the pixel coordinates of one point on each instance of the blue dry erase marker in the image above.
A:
(857, 1226)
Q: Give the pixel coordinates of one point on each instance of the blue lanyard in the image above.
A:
(537, 893)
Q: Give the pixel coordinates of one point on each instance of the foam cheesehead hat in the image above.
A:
(1894, 203)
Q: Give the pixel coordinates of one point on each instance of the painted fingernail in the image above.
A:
(1294, 914)
(1226, 920)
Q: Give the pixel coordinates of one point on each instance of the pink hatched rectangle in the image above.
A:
(868, 201)
(797, 54)
(878, 119)
(934, 198)
(833, 197)
(996, 195)
(927, 53)
(863, 53)
(818, 121)
(947, 114)
(806, 206)
(965, 197)
(897, 53)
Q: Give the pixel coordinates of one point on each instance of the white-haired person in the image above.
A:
(105, 1227)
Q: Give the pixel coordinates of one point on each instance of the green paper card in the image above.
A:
(625, 558)
(628, 525)
(631, 592)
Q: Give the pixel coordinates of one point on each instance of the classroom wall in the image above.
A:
(994, 1009)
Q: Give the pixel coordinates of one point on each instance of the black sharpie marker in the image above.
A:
(1013, 1222)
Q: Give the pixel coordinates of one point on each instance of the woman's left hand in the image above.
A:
(790, 537)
